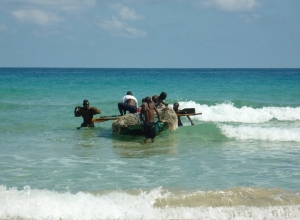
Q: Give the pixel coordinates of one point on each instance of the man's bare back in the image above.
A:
(148, 109)
(149, 113)
(131, 102)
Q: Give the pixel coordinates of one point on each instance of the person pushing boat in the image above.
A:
(176, 110)
(159, 101)
(129, 103)
(87, 113)
(147, 116)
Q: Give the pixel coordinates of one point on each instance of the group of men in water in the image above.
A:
(129, 103)
(146, 111)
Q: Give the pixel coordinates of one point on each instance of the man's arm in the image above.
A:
(155, 109)
(136, 101)
(77, 112)
(95, 110)
(160, 104)
(141, 115)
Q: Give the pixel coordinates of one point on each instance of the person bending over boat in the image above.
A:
(129, 103)
(159, 100)
(176, 110)
(87, 113)
(155, 99)
(147, 116)
(139, 109)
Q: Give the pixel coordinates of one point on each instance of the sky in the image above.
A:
(150, 33)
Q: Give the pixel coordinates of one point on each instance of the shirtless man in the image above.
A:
(148, 108)
(176, 110)
(159, 101)
(129, 103)
(87, 113)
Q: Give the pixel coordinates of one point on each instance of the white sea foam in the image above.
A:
(227, 112)
(44, 204)
(249, 123)
(249, 132)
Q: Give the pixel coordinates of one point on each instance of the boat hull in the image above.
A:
(138, 129)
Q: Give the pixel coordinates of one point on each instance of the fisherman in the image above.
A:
(147, 116)
(139, 109)
(87, 113)
(129, 103)
(176, 110)
(159, 100)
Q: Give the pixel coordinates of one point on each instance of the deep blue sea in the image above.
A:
(239, 161)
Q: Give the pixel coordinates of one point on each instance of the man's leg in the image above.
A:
(153, 131)
(146, 132)
(121, 108)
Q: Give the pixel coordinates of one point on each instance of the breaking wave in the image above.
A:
(227, 112)
(158, 203)
(247, 123)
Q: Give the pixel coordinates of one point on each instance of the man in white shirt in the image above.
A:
(129, 103)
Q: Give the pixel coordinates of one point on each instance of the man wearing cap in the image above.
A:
(87, 113)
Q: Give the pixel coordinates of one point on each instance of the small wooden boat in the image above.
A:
(138, 127)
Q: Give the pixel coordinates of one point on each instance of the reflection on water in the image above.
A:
(133, 146)
(91, 137)
(166, 142)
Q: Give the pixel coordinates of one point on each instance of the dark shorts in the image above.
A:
(149, 130)
(123, 107)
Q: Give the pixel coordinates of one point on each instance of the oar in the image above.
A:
(190, 114)
(105, 118)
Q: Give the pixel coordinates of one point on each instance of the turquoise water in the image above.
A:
(239, 161)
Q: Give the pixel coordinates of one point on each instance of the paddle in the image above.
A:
(190, 114)
(105, 118)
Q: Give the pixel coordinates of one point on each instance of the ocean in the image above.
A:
(239, 161)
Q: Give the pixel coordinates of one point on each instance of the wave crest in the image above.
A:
(158, 203)
(227, 112)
